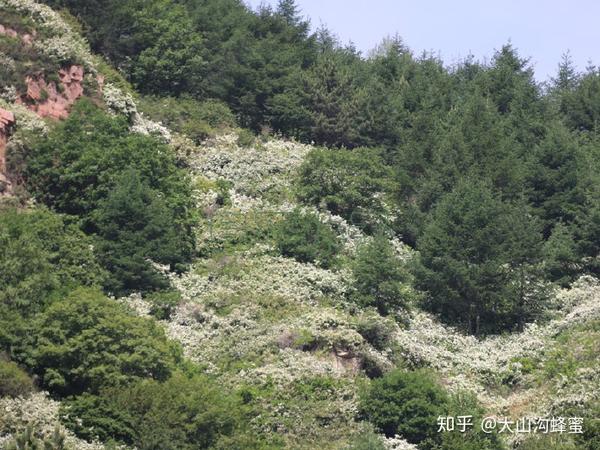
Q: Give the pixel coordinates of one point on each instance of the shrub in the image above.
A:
(42, 251)
(196, 119)
(466, 404)
(367, 441)
(181, 413)
(349, 183)
(135, 225)
(163, 303)
(305, 238)
(405, 403)
(246, 138)
(86, 342)
(42, 254)
(376, 331)
(89, 165)
(27, 440)
(380, 279)
(14, 381)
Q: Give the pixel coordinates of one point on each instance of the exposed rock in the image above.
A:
(6, 31)
(26, 38)
(7, 120)
(346, 361)
(47, 99)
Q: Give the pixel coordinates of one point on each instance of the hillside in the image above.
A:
(171, 280)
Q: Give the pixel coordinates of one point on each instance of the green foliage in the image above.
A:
(180, 413)
(19, 61)
(305, 238)
(560, 258)
(579, 99)
(545, 442)
(367, 441)
(163, 303)
(42, 251)
(196, 119)
(135, 224)
(557, 193)
(376, 331)
(43, 254)
(14, 381)
(27, 440)
(381, 281)
(405, 403)
(78, 164)
(348, 183)
(126, 188)
(86, 342)
(480, 261)
(246, 138)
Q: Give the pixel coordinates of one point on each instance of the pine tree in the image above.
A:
(381, 281)
(478, 260)
(289, 11)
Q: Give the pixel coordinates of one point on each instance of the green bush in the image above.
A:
(177, 414)
(405, 403)
(466, 404)
(376, 331)
(349, 183)
(381, 281)
(27, 440)
(246, 138)
(163, 303)
(367, 441)
(42, 251)
(125, 187)
(14, 381)
(196, 119)
(85, 342)
(43, 254)
(135, 225)
(305, 238)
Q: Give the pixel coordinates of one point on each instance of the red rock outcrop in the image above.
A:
(7, 120)
(47, 99)
(26, 38)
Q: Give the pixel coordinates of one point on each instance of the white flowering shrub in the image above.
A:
(118, 101)
(254, 171)
(398, 443)
(57, 41)
(480, 365)
(42, 414)
(26, 120)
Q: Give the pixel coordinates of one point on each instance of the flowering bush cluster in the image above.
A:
(254, 171)
(56, 38)
(473, 364)
(26, 120)
(39, 412)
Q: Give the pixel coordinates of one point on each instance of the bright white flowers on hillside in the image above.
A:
(63, 44)
(470, 363)
(40, 412)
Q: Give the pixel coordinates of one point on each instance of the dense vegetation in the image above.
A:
(529, 152)
(125, 189)
(469, 192)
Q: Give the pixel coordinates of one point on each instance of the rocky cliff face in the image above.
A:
(7, 120)
(49, 99)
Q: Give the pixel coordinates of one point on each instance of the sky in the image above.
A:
(542, 30)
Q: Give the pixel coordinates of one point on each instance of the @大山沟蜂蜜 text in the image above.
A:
(491, 424)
